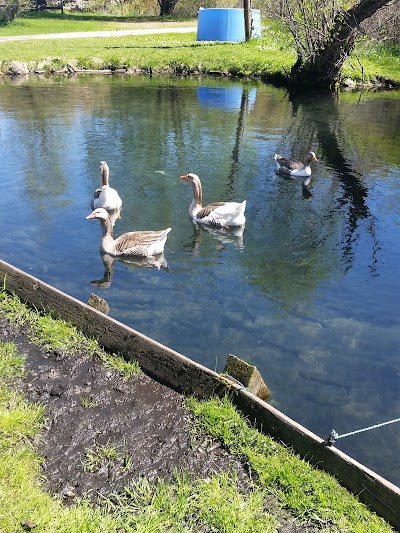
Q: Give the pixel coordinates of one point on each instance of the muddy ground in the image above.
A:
(90, 407)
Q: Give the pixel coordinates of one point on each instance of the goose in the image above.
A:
(296, 169)
(105, 196)
(131, 244)
(218, 214)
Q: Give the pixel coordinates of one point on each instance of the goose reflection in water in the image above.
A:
(158, 263)
(224, 236)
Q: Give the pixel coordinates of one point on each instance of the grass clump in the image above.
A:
(11, 364)
(94, 458)
(213, 504)
(310, 493)
(56, 334)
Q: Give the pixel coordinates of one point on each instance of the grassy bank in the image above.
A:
(217, 503)
(269, 57)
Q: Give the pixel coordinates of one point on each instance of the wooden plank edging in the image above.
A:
(188, 377)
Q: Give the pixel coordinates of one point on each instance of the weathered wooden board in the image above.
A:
(188, 377)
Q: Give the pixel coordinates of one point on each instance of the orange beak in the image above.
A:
(184, 177)
(315, 158)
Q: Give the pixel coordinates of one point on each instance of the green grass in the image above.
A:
(379, 60)
(173, 53)
(11, 364)
(56, 334)
(86, 402)
(165, 52)
(95, 457)
(270, 56)
(44, 22)
(212, 505)
(309, 493)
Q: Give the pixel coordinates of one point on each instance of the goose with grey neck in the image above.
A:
(105, 196)
(131, 244)
(296, 169)
(218, 214)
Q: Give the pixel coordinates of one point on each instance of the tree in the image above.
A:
(167, 6)
(8, 11)
(325, 35)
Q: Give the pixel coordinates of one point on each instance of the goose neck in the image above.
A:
(105, 173)
(106, 226)
(197, 193)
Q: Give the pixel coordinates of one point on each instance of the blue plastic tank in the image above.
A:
(225, 24)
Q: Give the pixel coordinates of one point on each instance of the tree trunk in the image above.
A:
(247, 19)
(167, 6)
(323, 69)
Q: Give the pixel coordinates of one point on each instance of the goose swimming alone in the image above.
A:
(105, 196)
(218, 214)
(131, 244)
(293, 168)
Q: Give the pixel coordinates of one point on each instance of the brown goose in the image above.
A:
(293, 168)
(218, 214)
(134, 243)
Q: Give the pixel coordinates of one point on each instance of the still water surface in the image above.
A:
(310, 291)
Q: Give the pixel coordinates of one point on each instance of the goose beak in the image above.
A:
(92, 215)
(184, 177)
(315, 158)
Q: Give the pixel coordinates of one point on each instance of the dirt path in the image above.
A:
(114, 33)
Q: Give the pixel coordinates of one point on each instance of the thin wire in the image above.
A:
(366, 429)
(334, 436)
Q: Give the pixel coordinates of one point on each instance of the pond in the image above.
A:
(309, 292)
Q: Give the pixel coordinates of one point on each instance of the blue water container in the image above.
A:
(225, 24)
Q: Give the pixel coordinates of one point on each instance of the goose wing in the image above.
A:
(138, 242)
(96, 194)
(291, 164)
(208, 209)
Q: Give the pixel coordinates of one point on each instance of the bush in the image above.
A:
(134, 8)
(127, 8)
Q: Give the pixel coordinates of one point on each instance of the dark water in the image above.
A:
(309, 293)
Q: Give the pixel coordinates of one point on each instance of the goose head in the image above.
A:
(191, 177)
(100, 212)
(196, 186)
(310, 156)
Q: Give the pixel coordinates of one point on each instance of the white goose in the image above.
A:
(218, 214)
(296, 169)
(105, 196)
(135, 243)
